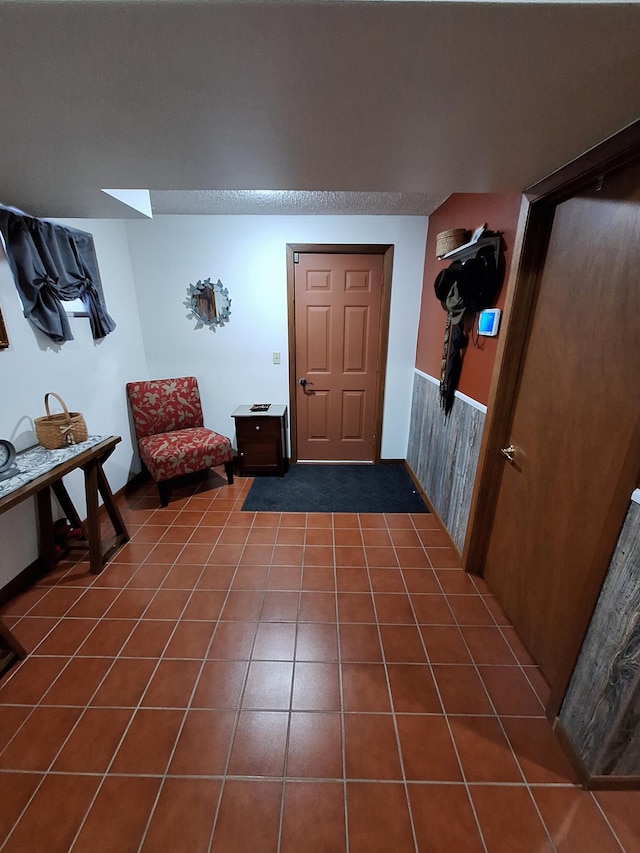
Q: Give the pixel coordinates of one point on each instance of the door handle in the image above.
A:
(508, 452)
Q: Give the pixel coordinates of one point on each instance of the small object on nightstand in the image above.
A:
(260, 407)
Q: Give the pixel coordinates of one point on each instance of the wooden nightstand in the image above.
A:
(262, 440)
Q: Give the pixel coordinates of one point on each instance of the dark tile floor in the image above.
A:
(282, 682)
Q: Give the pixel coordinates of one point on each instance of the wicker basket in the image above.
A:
(447, 241)
(59, 430)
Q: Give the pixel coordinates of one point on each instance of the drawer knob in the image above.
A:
(258, 428)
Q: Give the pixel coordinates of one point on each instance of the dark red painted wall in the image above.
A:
(500, 213)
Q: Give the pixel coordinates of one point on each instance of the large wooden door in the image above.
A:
(575, 426)
(338, 301)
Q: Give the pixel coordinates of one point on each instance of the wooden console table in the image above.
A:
(41, 471)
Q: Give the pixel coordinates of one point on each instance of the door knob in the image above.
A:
(303, 382)
(508, 452)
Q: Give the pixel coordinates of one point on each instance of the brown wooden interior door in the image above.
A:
(337, 352)
(574, 423)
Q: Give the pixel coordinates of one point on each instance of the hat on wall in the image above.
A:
(445, 280)
(477, 280)
(455, 305)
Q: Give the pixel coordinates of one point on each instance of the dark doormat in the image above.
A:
(336, 488)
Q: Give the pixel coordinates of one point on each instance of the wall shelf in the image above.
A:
(470, 250)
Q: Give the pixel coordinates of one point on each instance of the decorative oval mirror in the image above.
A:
(208, 304)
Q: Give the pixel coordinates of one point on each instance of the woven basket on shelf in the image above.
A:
(447, 241)
(53, 431)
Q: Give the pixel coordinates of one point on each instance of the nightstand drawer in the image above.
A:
(258, 429)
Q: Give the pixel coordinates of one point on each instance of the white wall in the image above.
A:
(234, 364)
(89, 376)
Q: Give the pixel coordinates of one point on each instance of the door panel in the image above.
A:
(574, 420)
(337, 350)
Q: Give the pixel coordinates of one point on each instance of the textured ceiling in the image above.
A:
(385, 106)
(294, 203)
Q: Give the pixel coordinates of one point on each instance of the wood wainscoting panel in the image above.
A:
(600, 709)
(443, 453)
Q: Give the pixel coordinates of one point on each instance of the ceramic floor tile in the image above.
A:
(318, 579)
(313, 813)
(574, 820)
(268, 685)
(190, 639)
(66, 637)
(445, 644)
(421, 581)
(183, 817)
(275, 641)
(315, 746)
(232, 640)
(428, 752)
(487, 645)
(364, 687)
(29, 681)
(538, 751)
(205, 604)
(204, 743)
(54, 814)
(107, 638)
(402, 644)
(485, 753)
(259, 744)
(131, 799)
(316, 687)
(30, 631)
(622, 809)
(413, 689)
(316, 641)
(148, 638)
(360, 643)
(509, 820)
(125, 682)
(11, 719)
(394, 608)
(35, 745)
(172, 684)
(148, 743)
(510, 691)
(461, 690)
(94, 741)
(17, 790)
(371, 750)
(77, 682)
(412, 558)
(249, 817)
(220, 684)
(317, 607)
(443, 819)
(378, 818)
(352, 580)
(279, 606)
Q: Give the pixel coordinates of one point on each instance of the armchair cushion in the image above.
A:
(183, 451)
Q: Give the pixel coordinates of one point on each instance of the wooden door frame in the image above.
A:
(384, 249)
(532, 238)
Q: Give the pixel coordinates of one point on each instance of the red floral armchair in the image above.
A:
(170, 432)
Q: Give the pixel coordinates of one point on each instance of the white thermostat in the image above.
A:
(488, 322)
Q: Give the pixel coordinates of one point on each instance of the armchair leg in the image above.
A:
(228, 467)
(163, 491)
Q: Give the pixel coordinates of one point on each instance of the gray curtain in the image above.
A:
(52, 264)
